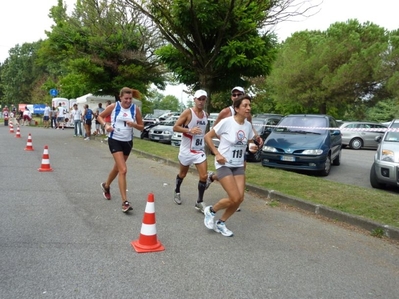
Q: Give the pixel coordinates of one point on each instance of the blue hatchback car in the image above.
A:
(310, 142)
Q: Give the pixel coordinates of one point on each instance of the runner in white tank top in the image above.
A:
(192, 123)
(193, 144)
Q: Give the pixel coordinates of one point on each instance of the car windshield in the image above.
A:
(392, 137)
(168, 123)
(302, 124)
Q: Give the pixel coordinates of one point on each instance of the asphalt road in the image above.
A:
(354, 169)
(60, 239)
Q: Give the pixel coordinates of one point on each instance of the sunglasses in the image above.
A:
(201, 99)
(236, 94)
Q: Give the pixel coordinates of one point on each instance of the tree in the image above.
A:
(101, 46)
(215, 45)
(323, 72)
(21, 77)
(169, 102)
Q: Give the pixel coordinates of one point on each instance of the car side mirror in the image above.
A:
(378, 139)
(336, 132)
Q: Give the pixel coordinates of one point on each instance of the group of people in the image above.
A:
(56, 118)
(233, 127)
(21, 117)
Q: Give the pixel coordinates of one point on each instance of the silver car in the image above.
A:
(356, 136)
(385, 169)
(164, 131)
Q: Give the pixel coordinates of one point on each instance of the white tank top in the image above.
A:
(119, 117)
(194, 143)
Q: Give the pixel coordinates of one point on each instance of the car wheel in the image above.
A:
(356, 143)
(337, 160)
(374, 180)
(327, 167)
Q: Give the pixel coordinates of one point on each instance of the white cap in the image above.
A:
(239, 88)
(200, 93)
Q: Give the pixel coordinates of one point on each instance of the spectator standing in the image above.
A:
(124, 117)
(99, 128)
(13, 114)
(61, 113)
(6, 115)
(20, 115)
(76, 116)
(87, 119)
(192, 124)
(46, 116)
(27, 116)
(235, 133)
(53, 118)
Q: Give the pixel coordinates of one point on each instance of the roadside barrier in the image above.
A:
(148, 241)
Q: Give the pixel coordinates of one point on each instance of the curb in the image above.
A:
(320, 210)
(369, 225)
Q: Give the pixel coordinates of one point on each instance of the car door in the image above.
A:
(335, 138)
(369, 136)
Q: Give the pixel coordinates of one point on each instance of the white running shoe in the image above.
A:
(177, 198)
(208, 219)
(221, 228)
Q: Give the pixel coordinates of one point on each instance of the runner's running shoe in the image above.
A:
(106, 191)
(177, 198)
(200, 206)
(126, 207)
(220, 227)
(208, 219)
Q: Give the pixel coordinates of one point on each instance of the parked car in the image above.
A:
(303, 142)
(384, 170)
(147, 127)
(176, 138)
(163, 132)
(356, 138)
(262, 127)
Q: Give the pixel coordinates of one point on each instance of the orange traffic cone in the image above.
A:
(45, 161)
(11, 127)
(148, 235)
(18, 134)
(29, 146)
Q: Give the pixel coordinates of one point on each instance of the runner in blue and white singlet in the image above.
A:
(119, 118)
(124, 117)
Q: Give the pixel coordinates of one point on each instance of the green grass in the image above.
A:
(376, 205)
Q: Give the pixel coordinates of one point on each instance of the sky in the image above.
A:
(25, 21)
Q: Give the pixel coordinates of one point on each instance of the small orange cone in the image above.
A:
(11, 127)
(29, 146)
(18, 134)
(45, 161)
(148, 235)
